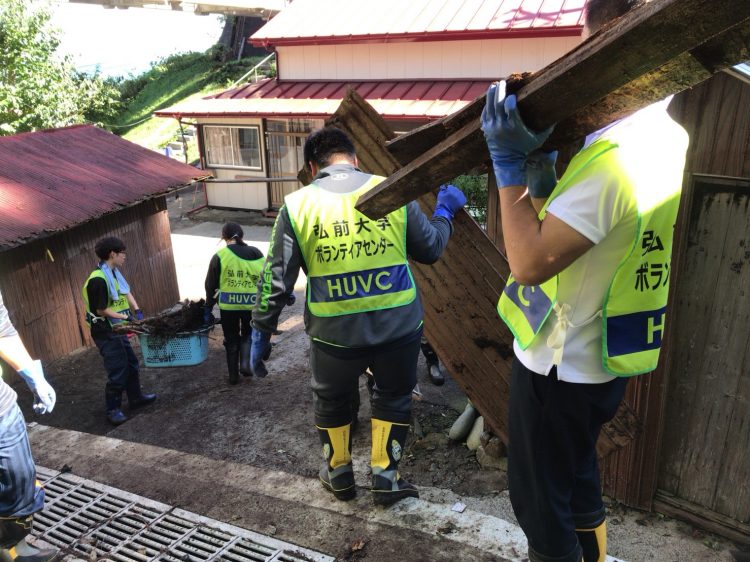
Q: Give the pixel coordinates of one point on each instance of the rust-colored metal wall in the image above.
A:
(41, 281)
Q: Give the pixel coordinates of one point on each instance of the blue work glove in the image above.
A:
(540, 173)
(291, 298)
(139, 315)
(260, 351)
(44, 394)
(208, 317)
(449, 200)
(508, 139)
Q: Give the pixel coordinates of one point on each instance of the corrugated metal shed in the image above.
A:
(347, 21)
(409, 99)
(53, 180)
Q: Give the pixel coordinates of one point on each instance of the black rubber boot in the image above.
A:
(436, 375)
(339, 482)
(233, 362)
(433, 364)
(113, 398)
(388, 439)
(24, 552)
(591, 530)
(136, 396)
(245, 357)
(337, 475)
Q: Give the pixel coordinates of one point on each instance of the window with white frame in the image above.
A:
(235, 147)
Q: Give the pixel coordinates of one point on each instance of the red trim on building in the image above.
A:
(393, 99)
(425, 37)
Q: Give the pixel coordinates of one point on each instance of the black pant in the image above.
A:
(120, 360)
(553, 476)
(336, 371)
(236, 325)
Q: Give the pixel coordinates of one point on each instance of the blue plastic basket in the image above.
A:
(180, 350)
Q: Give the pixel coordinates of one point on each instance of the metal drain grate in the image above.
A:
(90, 520)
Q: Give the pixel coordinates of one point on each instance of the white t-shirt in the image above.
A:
(653, 146)
(8, 396)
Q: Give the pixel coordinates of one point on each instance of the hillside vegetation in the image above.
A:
(168, 82)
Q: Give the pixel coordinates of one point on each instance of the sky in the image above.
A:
(121, 42)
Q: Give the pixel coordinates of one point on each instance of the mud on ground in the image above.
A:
(265, 422)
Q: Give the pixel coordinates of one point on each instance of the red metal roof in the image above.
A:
(315, 22)
(408, 100)
(57, 179)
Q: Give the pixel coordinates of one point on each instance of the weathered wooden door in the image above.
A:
(705, 455)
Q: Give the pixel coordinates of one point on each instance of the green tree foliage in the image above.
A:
(475, 189)
(39, 89)
(98, 99)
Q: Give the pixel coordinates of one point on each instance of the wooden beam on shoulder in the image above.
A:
(661, 48)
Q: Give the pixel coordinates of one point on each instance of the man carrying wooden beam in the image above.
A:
(590, 258)
(362, 309)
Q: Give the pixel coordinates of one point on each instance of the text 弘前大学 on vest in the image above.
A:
(354, 264)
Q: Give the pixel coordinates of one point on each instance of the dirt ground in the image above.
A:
(268, 423)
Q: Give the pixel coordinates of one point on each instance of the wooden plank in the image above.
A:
(694, 305)
(723, 460)
(459, 294)
(643, 57)
(494, 222)
(731, 499)
(701, 517)
(410, 145)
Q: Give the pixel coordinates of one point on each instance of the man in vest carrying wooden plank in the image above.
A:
(362, 307)
(590, 258)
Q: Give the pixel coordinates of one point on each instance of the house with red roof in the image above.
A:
(61, 190)
(414, 62)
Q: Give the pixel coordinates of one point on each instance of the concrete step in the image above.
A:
(276, 506)
(281, 505)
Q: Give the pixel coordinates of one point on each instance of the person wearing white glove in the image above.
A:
(21, 494)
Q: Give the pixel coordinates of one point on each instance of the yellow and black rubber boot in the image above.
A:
(593, 541)
(13, 545)
(388, 440)
(337, 475)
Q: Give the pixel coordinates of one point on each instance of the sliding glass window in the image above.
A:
(233, 147)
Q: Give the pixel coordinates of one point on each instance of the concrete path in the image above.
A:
(283, 506)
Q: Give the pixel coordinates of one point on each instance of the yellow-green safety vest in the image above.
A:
(354, 264)
(238, 281)
(121, 305)
(633, 311)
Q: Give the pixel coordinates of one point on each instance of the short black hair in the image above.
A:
(107, 245)
(232, 230)
(600, 12)
(322, 144)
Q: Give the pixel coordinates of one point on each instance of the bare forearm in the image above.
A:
(132, 302)
(521, 228)
(14, 352)
(537, 250)
(111, 313)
